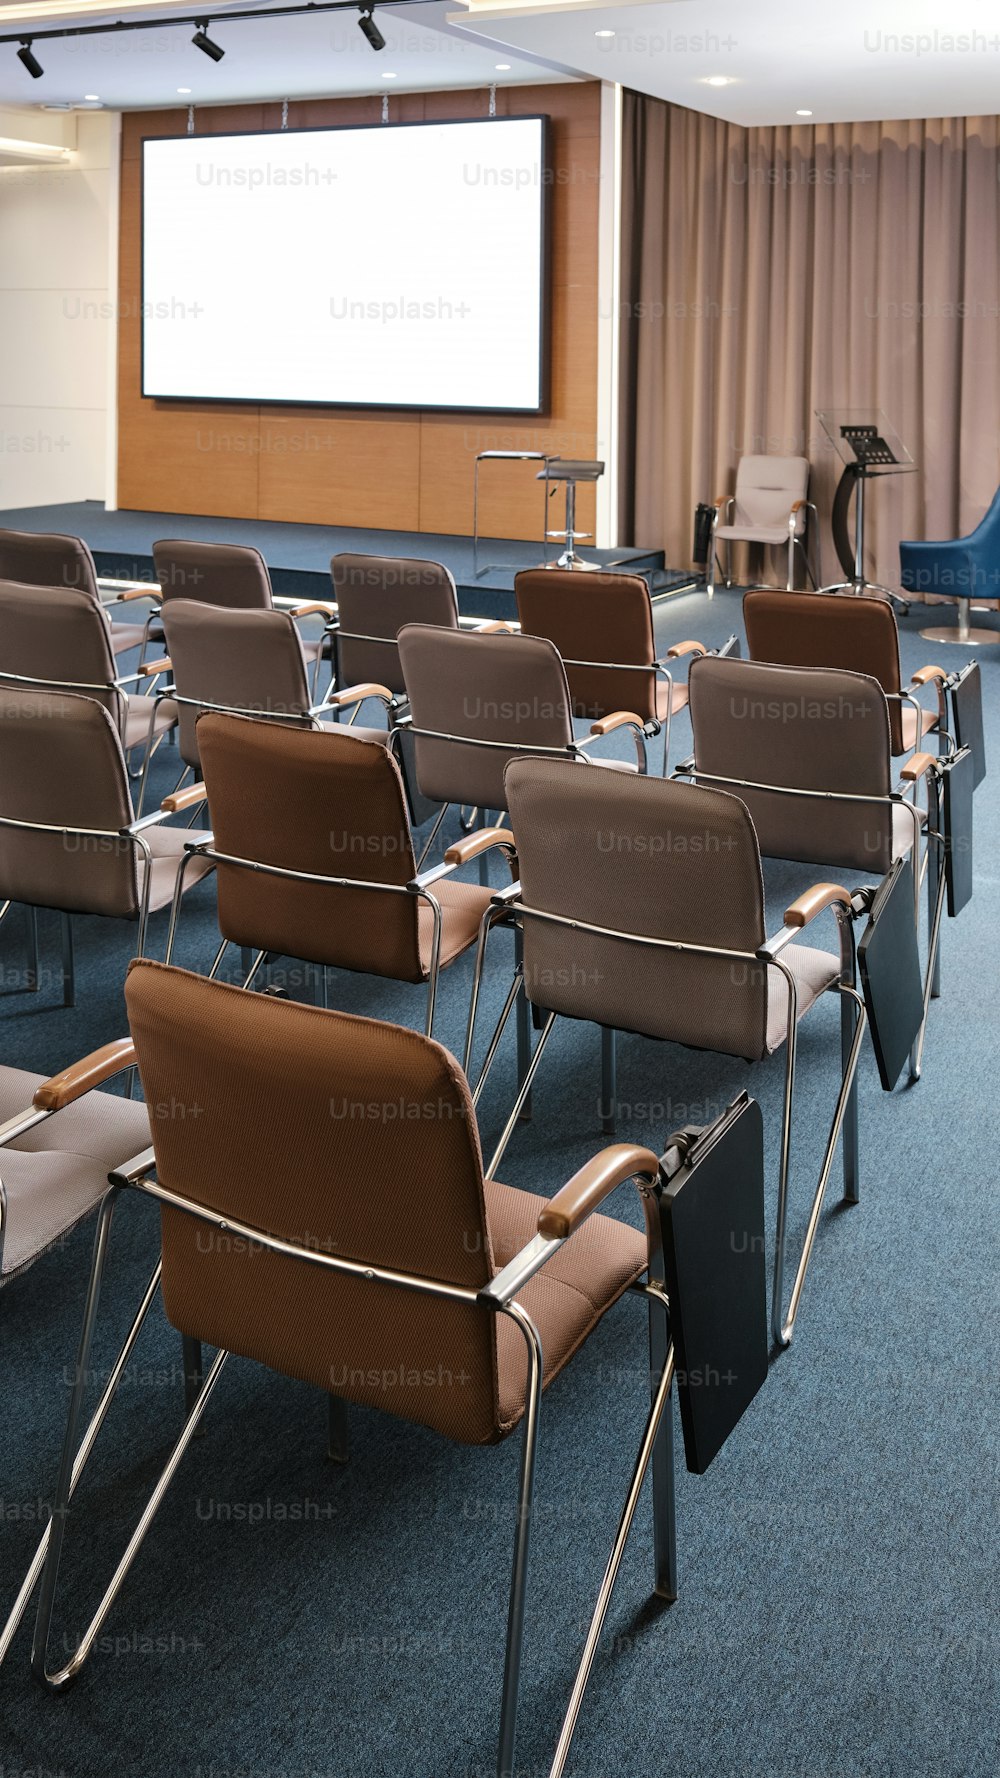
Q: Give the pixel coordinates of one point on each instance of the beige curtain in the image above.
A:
(768, 273)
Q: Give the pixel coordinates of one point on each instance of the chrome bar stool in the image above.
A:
(562, 469)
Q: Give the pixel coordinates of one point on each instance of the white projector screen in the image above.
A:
(395, 266)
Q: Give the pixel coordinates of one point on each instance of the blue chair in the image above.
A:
(961, 569)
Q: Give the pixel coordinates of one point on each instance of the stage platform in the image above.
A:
(298, 556)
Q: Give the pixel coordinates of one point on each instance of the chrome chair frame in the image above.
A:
(495, 1298)
(723, 505)
(507, 908)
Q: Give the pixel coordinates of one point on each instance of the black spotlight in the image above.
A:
(28, 60)
(370, 28)
(203, 41)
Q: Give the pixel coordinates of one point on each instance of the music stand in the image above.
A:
(868, 447)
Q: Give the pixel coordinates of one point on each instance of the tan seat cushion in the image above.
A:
(671, 698)
(814, 972)
(462, 907)
(126, 636)
(567, 1298)
(167, 847)
(753, 533)
(908, 725)
(58, 1172)
(902, 831)
(140, 709)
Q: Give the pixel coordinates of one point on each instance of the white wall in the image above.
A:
(57, 304)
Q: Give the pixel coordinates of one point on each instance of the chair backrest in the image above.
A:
(321, 801)
(504, 689)
(595, 618)
(63, 766)
(767, 487)
(649, 856)
(349, 1136)
(376, 596)
(43, 558)
(829, 630)
(230, 574)
(243, 660)
(808, 728)
(59, 637)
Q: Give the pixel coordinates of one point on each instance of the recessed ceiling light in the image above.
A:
(92, 98)
(502, 67)
(603, 33)
(388, 77)
(183, 89)
(803, 113)
(718, 80)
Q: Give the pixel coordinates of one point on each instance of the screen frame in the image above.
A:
(398, 407)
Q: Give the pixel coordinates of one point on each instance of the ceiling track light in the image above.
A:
(203, 41)
(29, 60)
(367, 24)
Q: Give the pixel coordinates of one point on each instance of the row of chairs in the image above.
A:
(636, 903)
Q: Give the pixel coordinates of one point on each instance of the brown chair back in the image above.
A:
(63, 766)
(244, 660)
(499, 688)
(320, 801)
(60, 638)
(648, 856)
(809, 728)
(230, 574)
(594, 618)
(829, 630)
(42, 558)
(376, 596)
(349, 1136)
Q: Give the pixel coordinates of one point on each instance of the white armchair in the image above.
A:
(769, 506)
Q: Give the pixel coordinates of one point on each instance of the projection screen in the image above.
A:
(391, 266)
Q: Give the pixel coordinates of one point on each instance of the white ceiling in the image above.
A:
(302, 57)
(836, 60)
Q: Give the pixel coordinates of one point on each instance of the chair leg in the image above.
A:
(660, 1401)
(194, 1369)
(609, 1080)
(32, 976)
(522, 1539)
(664, 1513)
(916, 1058)
(513, 991)
(68, 963)
(523, 1025)
(848, 1021)
(511, 1123)
(338, 1436)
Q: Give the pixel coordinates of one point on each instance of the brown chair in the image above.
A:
(478, 700)
(289, 1237)
(43, 559)
(856, 635)
(376, 596)
(603, 628)
(641, 908)
(808, 750)
(58, 639)
(233, 575)
(314, 856)
(69, 838)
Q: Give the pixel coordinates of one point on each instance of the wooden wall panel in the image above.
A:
(406, 471)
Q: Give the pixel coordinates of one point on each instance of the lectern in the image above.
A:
(869, 447)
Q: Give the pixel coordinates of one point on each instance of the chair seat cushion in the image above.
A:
(58, 1172)
(462, 907)
(167, 847)
(140, 709)
(902, 830)
(908, 725)
(754, 533)
(671, 698)
(814, 972)
(126, 636)
(567, 1298)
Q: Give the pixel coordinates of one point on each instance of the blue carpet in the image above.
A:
(291, 1619)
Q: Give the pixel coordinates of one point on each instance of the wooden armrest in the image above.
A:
(179, 800)
(316, 608)
(494, 626)
(475, 843)
(721, 501)
(927, 674)
(149, 669)
(356, 694)
(588, 1188)
(916, 767)
(138, 592)
(805, 907)
(797, 505)
(617, 719)
(72, 1082)
(680, 648)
